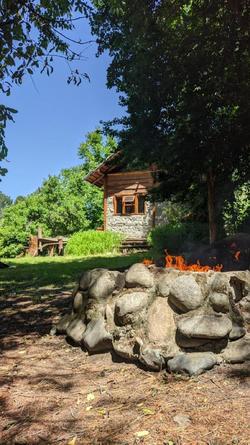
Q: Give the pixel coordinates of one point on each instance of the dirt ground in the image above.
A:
(54, 393)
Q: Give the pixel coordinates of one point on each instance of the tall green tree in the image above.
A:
(96, 149)
(63, 205)
(4, 202)
(32, 35)
(183, 70)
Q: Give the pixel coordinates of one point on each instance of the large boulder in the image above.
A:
(237, 351)
(63, 323)
(185, 293)
(126, 347)
(165, 281)
(103, 286)
(89, 277)
(79, 302)
(96, 338)
(152, 359)
(205, 326)
(130, 304)
(220, 283)
(193, 363)
(161, 328)
(75, 330)
(190, 342)
(138, 275)
(244, 306)
(219, 302)
(237, 332)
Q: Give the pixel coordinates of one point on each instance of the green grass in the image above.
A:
(56, 272)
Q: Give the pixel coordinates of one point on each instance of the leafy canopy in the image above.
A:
(32, 35)
(63, 205)
(183, 71)
(4, 202)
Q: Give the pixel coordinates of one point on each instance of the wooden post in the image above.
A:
(211, 206)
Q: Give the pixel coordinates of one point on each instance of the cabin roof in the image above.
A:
(96, 176)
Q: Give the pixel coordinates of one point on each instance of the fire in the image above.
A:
(178, 262)
(237, 255)
(147, 262)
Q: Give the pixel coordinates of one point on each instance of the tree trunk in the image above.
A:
(211, 206)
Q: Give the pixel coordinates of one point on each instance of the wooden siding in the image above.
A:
(129, 183)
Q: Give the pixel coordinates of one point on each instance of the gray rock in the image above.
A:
(219, 302)
(152, 359)
(193, 363)
(75, 330)
(103, 286)
(182, 420)
(165, 282)
(89, 277)
(237, 332)
(126, 348)
(220, 283)
(161, 328)
(129, 304)
(205, 326)
(185, 293)
(139, 275)
(119, 278)
(237, 351)
(240, 284)
(63, 323)
(189, 342)
(244, 306)
(79, 302)
(96, 338)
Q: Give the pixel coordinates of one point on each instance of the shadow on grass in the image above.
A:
(58, 272)
(33, 295)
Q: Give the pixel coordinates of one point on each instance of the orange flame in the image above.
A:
(147, 262)
(178, 262)
(237, 255)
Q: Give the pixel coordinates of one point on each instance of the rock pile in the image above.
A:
(184, 321)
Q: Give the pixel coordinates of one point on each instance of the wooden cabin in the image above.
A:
(126, 207)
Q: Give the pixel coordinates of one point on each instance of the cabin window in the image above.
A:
(129, 205)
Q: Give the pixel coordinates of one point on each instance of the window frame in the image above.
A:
(135, 201)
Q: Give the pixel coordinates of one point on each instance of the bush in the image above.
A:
(175, 237)
(93, 242)
(236, 214)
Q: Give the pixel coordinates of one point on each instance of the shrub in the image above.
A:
(93, 242)
(175, 237)
(236, 214)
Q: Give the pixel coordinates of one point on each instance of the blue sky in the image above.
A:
(53, 119)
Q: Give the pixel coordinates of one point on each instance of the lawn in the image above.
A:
(56, 272)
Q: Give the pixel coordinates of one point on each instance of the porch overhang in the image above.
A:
(97, 176)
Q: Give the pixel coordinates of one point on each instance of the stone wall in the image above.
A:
(184, 321)
(135, 226)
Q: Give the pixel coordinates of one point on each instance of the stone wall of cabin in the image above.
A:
(134, 226)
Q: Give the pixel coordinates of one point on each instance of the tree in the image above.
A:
(32, 35)
(183, 68)
(63, 205)
(4, 202)
(95, 149)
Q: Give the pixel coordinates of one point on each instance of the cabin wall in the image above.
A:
(129, 183)
(134, 226)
